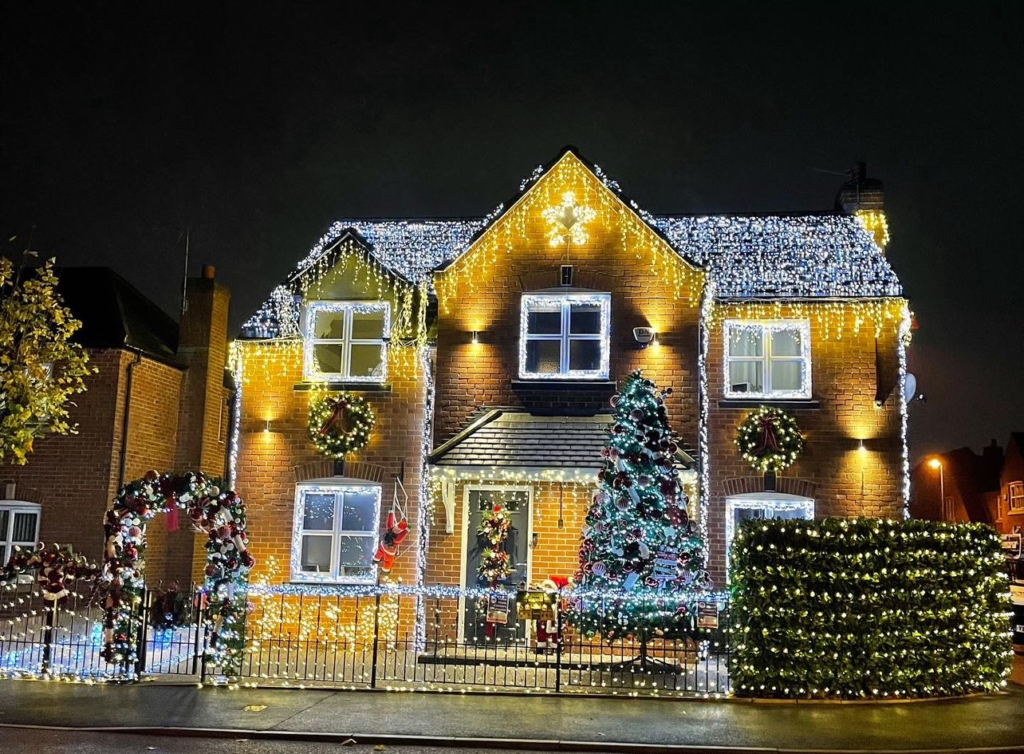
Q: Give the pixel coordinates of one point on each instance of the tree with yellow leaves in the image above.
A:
(40, 368)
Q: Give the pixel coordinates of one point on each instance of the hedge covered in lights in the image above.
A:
(868, 608)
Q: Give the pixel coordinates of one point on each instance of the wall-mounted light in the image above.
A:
(644, 336)
(476, 336)
(266, 427)
(861, 447)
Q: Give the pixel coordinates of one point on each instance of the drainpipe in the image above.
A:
(123, 462)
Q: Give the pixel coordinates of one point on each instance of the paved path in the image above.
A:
(985, 722)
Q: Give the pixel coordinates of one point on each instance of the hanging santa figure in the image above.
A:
(395, 532)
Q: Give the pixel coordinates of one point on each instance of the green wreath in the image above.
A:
(769, 439)
(340, 424)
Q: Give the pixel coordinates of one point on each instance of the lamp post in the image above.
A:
(936, 463)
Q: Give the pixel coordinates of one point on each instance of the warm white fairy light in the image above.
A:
(563, 303)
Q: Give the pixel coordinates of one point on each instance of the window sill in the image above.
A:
(329, 584)
(571, 383)
(809, 404)
(334, 387)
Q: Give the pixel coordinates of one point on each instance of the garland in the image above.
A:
(769, 439)
(494, 561)
(218, 513)
(56, 567)
(340, 424)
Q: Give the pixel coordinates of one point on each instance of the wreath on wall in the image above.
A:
(769, 439)
(340, 424)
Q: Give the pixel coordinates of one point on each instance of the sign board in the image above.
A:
(1011, 545)
(497, 608)
(535, 605)
(707, 614)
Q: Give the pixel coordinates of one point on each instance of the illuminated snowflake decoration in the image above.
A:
(567, 221)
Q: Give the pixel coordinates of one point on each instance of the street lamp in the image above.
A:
(935, 463)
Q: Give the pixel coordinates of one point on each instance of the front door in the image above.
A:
(517, 502)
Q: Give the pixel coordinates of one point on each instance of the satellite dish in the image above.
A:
(909, 387)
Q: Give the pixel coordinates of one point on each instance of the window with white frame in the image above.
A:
(1015, 497)
(335, 533)
(762, 506)
(19, 526)
(564, 336)
(346, 341)
(767, 359)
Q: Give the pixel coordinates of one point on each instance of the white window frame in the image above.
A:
(335, 576)
(768, 328)
(565, 337)
(1015, 497)
(7, 541)
(346, 341)
(775, 501)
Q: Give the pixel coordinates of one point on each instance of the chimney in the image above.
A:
(202, 347)
(860, 192)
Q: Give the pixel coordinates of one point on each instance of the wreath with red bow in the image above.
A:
(340, 424)
(769, 439)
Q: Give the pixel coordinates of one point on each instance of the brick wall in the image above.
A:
(266, 460)
(846, 481)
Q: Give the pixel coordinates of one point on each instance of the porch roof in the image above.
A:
(514, 439)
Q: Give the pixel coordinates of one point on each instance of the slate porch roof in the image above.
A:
(515, 439)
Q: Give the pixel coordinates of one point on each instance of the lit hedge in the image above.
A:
(867, 608)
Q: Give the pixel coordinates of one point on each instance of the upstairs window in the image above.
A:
(564, 336)
(768, 359)
(346, 341)
(1015, 497)
(19, 526)
(335, 533)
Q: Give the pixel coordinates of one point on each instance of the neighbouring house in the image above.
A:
(962, 485)
(158, 400)
(489, 349)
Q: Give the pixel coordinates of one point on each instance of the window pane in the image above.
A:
(746, 342)
(3, 555)
(352, 572)
(328, 358)
(544, 319)
(585, 319)
(366, 361)
(585, 355)
(316, 554)
(358, 512)
(357, 551)
(787, 375)
(329, 325)
(746, 377)
(319, 511)
(24, 528)
(543, 356)
(787, 343)
(5, 518)
(367, 325)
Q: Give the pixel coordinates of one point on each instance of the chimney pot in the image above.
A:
(209, 272)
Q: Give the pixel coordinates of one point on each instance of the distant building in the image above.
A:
(159, 400)
(986, 488)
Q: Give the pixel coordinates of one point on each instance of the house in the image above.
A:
(158, 400)
(963, 486)
(489, 350)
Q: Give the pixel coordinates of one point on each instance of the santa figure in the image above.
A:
(547, 630)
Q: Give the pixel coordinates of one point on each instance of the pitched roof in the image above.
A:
(805, 255)
(514, 439)
(115, 314)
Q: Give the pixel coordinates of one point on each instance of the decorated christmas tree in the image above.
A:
(640, 557)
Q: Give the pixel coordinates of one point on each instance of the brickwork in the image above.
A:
(266, 460)
(846, 480)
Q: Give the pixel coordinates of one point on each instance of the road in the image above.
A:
(16, 740)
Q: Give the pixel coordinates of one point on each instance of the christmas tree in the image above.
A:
(639, 546)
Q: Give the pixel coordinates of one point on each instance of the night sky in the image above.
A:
(258, 125)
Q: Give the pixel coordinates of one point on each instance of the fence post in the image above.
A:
(199, 648)
(51, 624)
(140, 636)
(558, 642)
(376, 635)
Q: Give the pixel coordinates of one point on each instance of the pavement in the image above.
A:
(520, 722)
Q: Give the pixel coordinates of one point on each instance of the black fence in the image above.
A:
(442, 640)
